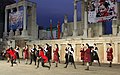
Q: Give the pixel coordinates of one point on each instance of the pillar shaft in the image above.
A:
(85, 19)
(24, 17)
(75, 18)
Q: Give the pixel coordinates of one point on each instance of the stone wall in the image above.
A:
(76, 43)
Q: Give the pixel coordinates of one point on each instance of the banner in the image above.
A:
(16, 20)
(101, 10)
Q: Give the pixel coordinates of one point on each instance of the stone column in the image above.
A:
(100, 29)
(90, 32)
(105, 54)
(75, 32)
(34, 26)
(24, 31)
(115, 53)
(85, 35)
(5, 27)
(118, 17)
(114, 27)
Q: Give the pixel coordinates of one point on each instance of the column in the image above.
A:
(5, 27)
(90, 32)
(85, 35)
(34, 26)
(118, 17)
(100, 29)
(24, 31)
(115, 53)
(114, 27)
(75, 32)
(105, 54)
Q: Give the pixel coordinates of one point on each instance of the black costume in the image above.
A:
(94, 56)
(48, 53)
(70, 57)
(17, 54)
(33, 55)
(66, 56)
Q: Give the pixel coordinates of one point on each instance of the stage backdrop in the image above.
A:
(16, 20)
(101, 10)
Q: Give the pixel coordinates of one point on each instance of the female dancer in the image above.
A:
(56, 56)
(26, 54)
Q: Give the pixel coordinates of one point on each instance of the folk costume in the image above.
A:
(110, 55)
(94, 55)
(47, 51)
(82, 54)
(70, 56)
(17, 53)
(42, 58)
(7, 54)
(12, 56)
(66, 55)
(26, 54)
(56, 56)
(33, 54)
(87, 56)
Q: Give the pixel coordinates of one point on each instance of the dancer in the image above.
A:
(42, 58)
(70, 56)
(66, 55)
(109, 54)
(17, 53)
(87, 56)
(82, 54)
(33, 54)
(94, 56)
(56, 57)
(7, 54)
(26, 54)
(47, 51)
(12, 56)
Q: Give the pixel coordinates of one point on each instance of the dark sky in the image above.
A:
(55, 10)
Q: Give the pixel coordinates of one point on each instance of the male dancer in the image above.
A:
(33, 54)
(42, 58)
(70, 56)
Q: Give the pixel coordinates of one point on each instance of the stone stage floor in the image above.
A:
(22, 69)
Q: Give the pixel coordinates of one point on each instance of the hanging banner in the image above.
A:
(101, 10)
(16, 20)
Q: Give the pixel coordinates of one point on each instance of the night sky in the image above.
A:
(55, 10)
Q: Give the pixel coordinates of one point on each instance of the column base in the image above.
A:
(17, 32)
(5, 34)
(24, 33)
(114, 30)
(118, 34)
(11, 34)
(85, 34)
(75, 33)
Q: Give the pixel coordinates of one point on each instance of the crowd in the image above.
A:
(43, 55)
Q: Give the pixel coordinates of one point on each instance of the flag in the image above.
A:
(58, 26)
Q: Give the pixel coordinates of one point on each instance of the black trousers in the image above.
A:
(71, 59)
(12, 61)
(33, 57)
(42, 63)
(17, 54)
